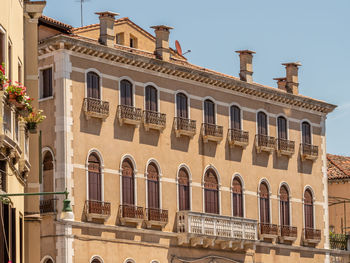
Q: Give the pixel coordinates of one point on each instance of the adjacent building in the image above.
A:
(166, 161)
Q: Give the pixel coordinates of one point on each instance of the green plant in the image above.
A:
(3, 78)
(35, 117)
(17, 90)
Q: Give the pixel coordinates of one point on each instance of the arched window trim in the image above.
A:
(264, 180)
(308, 187)
(290, 202)
(87, 172)
(158, 94)
(46, 258)
(100, 78)
(188, 103)
(267, 121)
(301, 130)
(43, 151)
(132, 159)
(229, 114)
(152, 160)
(237, 175)
(132, 89)
(287, 121)
(129, 260)
(210, 166)
(96, 257)
(183, 166)
(215, 108)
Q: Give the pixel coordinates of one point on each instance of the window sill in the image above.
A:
(44, 99)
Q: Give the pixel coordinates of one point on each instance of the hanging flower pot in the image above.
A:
(31, 126)
(12, 97)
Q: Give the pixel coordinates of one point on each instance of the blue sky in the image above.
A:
(316, 33)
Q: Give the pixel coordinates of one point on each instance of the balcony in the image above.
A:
(129, 115)
(131, 214)
(154, 120)
(268, 231)
(212, 132)
(185, 127)
(311, 236)
(14, 151)
(285, 147)
(96, 108)
(156, 217)
(47, 206)
(308, 151)
(238, 137)
(208, 230)
(288, 233)
(338, 241)
(97, 210)
(264, 143)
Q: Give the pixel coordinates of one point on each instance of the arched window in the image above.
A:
(181, 106)
(264, 203)
(184, 190)
(48, 260)
(211, 192)
(96, 260)
(128, 183)
(235, 114)
(151, 99)
(262, 123)
(308, 209)
(282, 128)
(237, 197)
(306, 132)
(153, 186)
(47, 203)
(284, 206)
(209, 112)
(126, 97)
(94, 170)
(93, 85)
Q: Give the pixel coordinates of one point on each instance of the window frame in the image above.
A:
(264, 180)
(132, 161)
(4, 33)
(185, 167)
(155, 162)
(301, 130)
(309, 188)
(132, 90)
(215, 109)
(97, 152)
(240, 113)
(100, 81)
(284, 184)
(267, 122)
(287, 126)
(211, 167)
(40, 90)
(237, 175)
(158, 94)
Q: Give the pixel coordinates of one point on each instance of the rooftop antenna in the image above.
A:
(81, 10)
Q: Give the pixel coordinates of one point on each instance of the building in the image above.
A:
(18, 45)
(167, 161)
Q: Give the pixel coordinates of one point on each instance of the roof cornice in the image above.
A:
(180, 69)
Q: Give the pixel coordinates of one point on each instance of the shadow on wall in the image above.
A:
(305, 166)
(208, 148)
(179, 143)
(91, 126)
(150, 137)
(123, 132)
(233, 153)
(280, 162)
(260, 159)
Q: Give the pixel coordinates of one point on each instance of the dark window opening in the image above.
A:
(153, 186)
(306, 132)
(46, 89)
(181, 106)
(209, 112)
(151, 99)
(94, 171)
(235, 113)
(264, 204)
(211, 192)
(93, 85)
(184, 190)
(237, 198)
(126, 93)
(284, 206)
(308, 209)
(282, 128)
(262, 123)
(128, 183)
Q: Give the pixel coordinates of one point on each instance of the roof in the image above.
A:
(55, 23)
(338, 167)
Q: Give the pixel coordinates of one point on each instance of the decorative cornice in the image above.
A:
(181, 69)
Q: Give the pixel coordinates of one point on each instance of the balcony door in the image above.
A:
(264, 204)
(282, 128)
(284, 206)
(153, 186)
(308, 209)
(94, 171)
(151, 99)
(181, 106)
(211, 192)
(306, 132)
(126, 93)
(237, 197)
(235, 113)
(128, 183)
(209, 112)
(184, 190)
(93, 85)
(262, 123)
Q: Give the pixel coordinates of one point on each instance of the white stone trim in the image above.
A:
(287, 123)
(43, 151)
(267, 121)
(152, 84)
(229, 114)
(215, 108)
(43, 260)
(96, 257)
(133, 87)
(99, 76)
(301, 130)
(129, 260)
(188, 102)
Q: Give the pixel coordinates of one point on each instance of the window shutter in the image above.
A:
(211, 192)
(235, 118)
(209, 112)
(262, 123)
(237, 198)
(128, 183)
(184, 193)
(264, 204)
(153, 186)
(282, 128)
(181, 105)
(126, 93)
(94, 171)
(306, 131)
(308, 209)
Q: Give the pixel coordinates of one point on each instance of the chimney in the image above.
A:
(292, 77)
(246, 65)
(107, 28)
(281, 83)
(162, 41)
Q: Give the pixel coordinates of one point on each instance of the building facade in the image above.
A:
(166, 161)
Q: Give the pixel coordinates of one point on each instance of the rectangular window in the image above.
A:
(16, 129)
(7, 121)
(21, 239)
(2, 47)
(19, 72)
(120, 39)
(46, 83)
(10, 61)
(13, 235)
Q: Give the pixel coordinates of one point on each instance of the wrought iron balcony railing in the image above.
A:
(265, 143)
(288, 233)
(311, 236)
(308, 151)
(131, 214)
(285, 147)
(268, 231)
(338, 241)
(47, 206)
(212, 132)
(96, 108)
(97, 209)
(184, 127)
(129, 115)
(238, 137)
(154, 120)
(156, 216)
